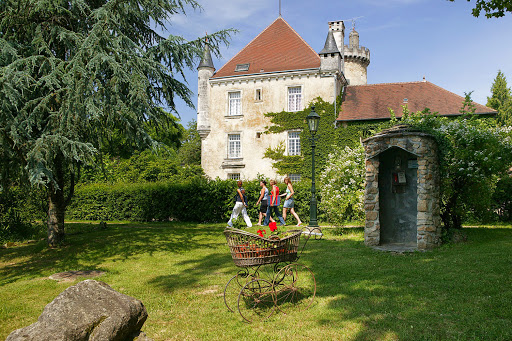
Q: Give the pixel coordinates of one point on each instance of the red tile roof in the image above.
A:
(277, 48)
(369, 102)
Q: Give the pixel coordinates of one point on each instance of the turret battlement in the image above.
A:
(357, 53)
(356, 59)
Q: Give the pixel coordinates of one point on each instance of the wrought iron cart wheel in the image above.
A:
(256, 300)
(233, 287)
(296, 290)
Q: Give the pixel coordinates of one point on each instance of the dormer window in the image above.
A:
(242, 67)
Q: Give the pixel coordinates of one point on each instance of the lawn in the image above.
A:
(461, 291)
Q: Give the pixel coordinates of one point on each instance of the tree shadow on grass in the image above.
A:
(457, 291)
(195, 270)
(88, 250)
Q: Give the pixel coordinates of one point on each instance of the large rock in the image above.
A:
(90, 310)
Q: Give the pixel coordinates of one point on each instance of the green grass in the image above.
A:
(460, 291)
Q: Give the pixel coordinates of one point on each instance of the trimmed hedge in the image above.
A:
(194, 200)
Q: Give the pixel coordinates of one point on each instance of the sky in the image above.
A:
(408, 39)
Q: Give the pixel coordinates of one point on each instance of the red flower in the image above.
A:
(273, 226)
(260, 232)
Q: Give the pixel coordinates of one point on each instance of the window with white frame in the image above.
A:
(234, 176)
(295, 98)
(235, 103)
(234, 146)
(294, 143)
(257, 95)
(294, 177)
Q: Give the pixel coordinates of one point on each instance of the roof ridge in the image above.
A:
(377, 84)
(249, 43)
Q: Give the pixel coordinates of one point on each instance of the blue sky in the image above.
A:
(408, 39)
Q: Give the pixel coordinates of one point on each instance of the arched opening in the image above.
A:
(398, 197)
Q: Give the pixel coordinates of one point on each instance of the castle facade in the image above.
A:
(276, 71)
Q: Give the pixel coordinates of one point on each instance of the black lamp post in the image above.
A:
(313, 120)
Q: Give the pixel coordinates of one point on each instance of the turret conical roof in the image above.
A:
(206, 61)
(330, 44)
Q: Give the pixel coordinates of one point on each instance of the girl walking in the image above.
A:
(240, 206)
(274, 204)
(289, 202)
(263, 199)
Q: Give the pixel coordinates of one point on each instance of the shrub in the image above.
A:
(502, 199)
(342, 185)
(15, 216)
(196, 200)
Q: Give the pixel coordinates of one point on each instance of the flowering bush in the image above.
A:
(473, 153)
(475, 156)
(342, 184)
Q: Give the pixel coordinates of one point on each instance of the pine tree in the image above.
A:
(74, 72)
(501, 99)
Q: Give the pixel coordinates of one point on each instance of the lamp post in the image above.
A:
(313, 119)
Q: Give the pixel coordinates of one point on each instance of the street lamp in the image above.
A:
(313, 119)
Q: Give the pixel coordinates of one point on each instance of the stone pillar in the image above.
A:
(371, 203)
(429, 219)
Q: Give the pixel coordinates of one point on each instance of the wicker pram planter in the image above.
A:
(248, 249)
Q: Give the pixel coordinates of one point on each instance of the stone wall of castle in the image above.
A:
(355, 72)
(252, 124)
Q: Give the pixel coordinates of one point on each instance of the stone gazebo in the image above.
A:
(402, 190)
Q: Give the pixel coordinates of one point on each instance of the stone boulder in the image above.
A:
(89, 310)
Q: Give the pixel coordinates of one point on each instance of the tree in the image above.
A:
(492, 8)
(190, 150)
(168, 133)
(74, 72)
(501, 99)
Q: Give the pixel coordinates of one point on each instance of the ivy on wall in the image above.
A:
(347, 134)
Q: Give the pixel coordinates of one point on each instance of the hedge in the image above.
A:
(17, 212)
(193, 200)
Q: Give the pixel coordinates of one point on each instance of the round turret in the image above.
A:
(205, 70)
(357, 59)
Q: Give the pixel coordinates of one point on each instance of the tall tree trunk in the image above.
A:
(56, 213)
(56, 204)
